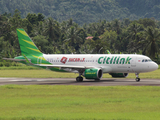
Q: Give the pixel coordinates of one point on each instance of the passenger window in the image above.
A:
(142, 60)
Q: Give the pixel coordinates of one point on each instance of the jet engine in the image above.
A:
(119, 75)
(93, 74)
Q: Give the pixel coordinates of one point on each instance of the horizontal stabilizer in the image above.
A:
(12, 59)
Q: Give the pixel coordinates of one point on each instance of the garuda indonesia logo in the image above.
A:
(64, 60)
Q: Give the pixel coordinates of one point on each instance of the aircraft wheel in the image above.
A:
(138, 79)
(79, 79)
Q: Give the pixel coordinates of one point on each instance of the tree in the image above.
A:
(116, 26)
(152, 39)
(73, 37)
(135, 35)
(134, 28)
(52, 30)
(147, 22)
(109, 39)
(16, 20)
(40, 17)
(42, 43)
(32, 18)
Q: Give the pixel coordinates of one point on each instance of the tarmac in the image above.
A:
(72, 81)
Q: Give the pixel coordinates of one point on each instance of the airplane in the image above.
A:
(90, 66)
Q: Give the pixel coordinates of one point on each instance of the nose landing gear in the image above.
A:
(137, 77)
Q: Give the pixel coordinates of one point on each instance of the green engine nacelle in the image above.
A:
(93, 73)
(119, 75)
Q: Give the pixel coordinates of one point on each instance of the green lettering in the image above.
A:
(107, 60)
(114, 60)
(122, 59)
(111, 60)
(118, 60)
(104, 60)
(128, 60)
(99, 60)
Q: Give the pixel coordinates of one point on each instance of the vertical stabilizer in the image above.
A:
(27, 46)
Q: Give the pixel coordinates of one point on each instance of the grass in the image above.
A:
(23, 67)
(79, 102)
(35, 74)
(50, 74)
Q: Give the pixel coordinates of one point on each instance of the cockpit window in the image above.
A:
(146, 60)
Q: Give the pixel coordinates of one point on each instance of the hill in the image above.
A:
(85, 11)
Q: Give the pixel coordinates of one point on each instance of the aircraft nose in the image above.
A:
(157, 66)
(154, 66)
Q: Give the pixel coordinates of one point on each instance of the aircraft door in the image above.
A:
(133, 62)
(132, 66)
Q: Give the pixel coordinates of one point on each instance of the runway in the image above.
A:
(71, 81)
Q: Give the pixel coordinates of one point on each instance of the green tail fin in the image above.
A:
(27, 46)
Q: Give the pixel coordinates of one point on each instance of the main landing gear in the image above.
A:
(79, 78)
(137, 77)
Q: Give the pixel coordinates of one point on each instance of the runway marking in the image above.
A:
(71, 81)
(6, 78)
(25, 80)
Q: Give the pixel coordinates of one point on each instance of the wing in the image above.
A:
(67, 66)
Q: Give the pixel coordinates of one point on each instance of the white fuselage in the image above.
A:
(109, 63)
